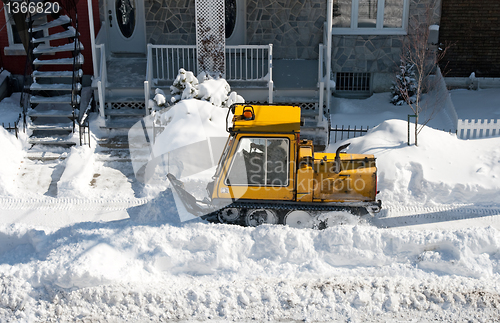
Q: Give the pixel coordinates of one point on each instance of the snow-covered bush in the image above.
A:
(405, 87)
(204, 87)
(185, 86)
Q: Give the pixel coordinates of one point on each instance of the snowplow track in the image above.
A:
(439, 217)
(69, 204)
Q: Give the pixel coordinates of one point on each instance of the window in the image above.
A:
(352, 82)
(260, 162)
(15, 43)
(370, 17)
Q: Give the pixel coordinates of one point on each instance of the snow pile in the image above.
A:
(13, 154)
(442, 169)
(200, 271)
(480, 104)
(190, 121)
(204, 87)
(78, 172)
(10, 109)
(377, 109)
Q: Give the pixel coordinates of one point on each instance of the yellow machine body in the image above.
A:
(265, 159)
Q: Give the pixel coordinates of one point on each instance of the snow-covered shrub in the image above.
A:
(160, 98)
(405, 87)
(185, 86)
(204, 87)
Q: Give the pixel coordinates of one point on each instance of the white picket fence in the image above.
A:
(473, 129)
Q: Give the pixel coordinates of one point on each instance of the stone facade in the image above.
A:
(365, 53)
(294, 27)
(170, 22)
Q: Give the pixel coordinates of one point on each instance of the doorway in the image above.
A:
(236, 19)
(126, 27)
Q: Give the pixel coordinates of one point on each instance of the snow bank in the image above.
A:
(13, 154)
(201, 271)
(10, 109)
(78, 172)
(377, 109)
(442, 169)
(480, 104)
(190, 121)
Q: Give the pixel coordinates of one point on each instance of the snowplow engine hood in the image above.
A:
(348, 177)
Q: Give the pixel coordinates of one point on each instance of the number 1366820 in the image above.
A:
(33, 8)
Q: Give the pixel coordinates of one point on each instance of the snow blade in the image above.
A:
(188, 200)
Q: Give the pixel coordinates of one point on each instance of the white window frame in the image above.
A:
(16, 49)
(379, 29)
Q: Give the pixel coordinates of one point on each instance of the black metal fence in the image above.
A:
(347, 133)
(12, 126)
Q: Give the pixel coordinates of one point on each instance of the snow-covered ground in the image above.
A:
(480, 104)
(95, 245)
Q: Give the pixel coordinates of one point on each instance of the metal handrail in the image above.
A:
(102, 79)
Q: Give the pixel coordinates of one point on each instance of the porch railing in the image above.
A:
(244, 63)
(102, 78)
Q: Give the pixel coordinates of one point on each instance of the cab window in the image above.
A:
(260, 162)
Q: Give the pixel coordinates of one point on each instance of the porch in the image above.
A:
(131, 79)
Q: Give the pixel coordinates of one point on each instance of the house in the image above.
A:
(474, 49)
(294, 51)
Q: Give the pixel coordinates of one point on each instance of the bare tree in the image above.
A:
(423, 57)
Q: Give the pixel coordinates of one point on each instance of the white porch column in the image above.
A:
(92, 37)
(329, 13)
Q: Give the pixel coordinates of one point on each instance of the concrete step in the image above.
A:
(126, 112)
(51, 142)
(70, 33)
(62, 20)
(57, 74)
(62, 113)
(60, 99)
(53, 127)
(55, 87)
(63, 48)
(60, 61)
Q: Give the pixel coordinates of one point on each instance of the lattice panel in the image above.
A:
(210, 36)
(127, 105)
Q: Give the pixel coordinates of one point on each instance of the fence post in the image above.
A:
(101, 98)
(270, 63)
(410, 116)
(146, 97)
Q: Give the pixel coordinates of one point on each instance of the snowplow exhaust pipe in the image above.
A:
(338, 166)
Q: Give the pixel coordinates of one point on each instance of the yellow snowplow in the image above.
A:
(267, 174)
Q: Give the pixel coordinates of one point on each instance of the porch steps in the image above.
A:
(53, 127)
(78, 73)
(55, 87)
(71, 32)
(51, 141)
(125, 112)
(62, 20)
(60, 113)
(53, 115)
(63, 48)
(60, 61)
(60, 99)
(120, 123)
